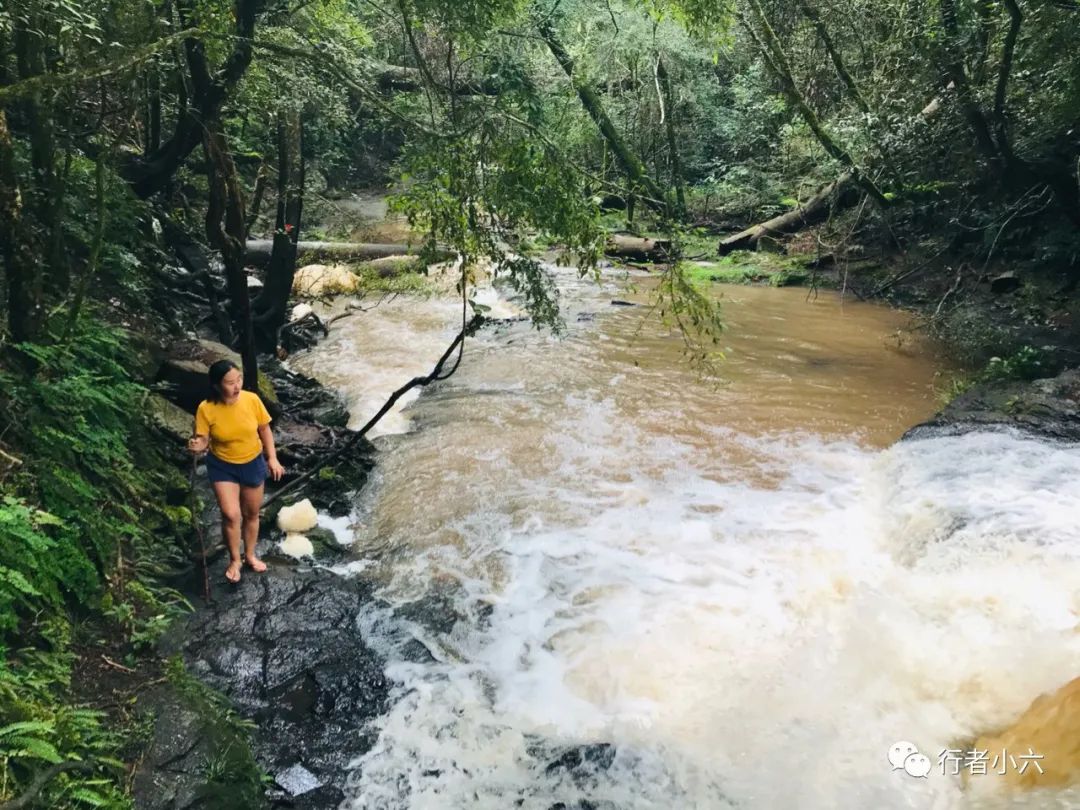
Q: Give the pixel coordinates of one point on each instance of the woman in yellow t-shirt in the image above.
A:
(235, 426)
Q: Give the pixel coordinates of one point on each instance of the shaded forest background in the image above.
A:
(924, 149)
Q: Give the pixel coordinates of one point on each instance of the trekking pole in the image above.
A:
(196, 524)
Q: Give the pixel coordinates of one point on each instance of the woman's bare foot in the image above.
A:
(232, 573)
(256, 564)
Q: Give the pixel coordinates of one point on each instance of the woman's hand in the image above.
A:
(276, 470)
(198, 444)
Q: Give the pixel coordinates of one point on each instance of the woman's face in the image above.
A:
(231, 384)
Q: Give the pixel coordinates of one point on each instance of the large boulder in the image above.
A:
(287, 648)
(185, 370)
(319, 280)
(170, 418)
(1048, 408)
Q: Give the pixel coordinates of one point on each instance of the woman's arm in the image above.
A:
(200, 433)
(198, 444)
(276, 470)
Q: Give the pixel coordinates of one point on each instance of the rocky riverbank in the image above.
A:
(1047, 408)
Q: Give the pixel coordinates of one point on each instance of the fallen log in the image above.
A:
(841, 193)
(637, 248)
(259, 250)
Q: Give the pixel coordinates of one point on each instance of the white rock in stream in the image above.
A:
(317, 280)
(298, 517)
(297, 546)
(301, 311)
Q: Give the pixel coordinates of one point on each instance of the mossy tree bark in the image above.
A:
(226, 202)
(272, 303)
(44, 188)
(990, 129)
(149, 173)
(23, 276)
(668, 98)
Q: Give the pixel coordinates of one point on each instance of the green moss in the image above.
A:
(390, 266)
(266, 389)
(790, 278)
(724, 273)
(412, 283)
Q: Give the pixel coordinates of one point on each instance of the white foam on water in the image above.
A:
(343, 528)
(743, 639)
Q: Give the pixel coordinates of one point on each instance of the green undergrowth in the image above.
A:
(751, 268)
(93, 522)
(1024, 364)
(405, 277)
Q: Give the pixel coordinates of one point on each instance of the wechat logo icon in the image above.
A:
(905, 756)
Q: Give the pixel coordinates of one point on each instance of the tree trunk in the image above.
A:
(150, 173)
(24, 287)
(629, 162)
(638, 248)
(1014, 172)
(256, 198)
(259, 251)
(812, 15)
(272, 303)
(666, 97)
(226, 201)
(152, 124)
(841, 193)
(954, 68)
(44, 191)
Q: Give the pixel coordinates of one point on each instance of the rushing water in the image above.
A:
(741, 586)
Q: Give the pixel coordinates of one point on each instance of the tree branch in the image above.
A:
(1016, 19)
(43, 779)
(354, 439)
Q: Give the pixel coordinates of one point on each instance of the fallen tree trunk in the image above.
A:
(259, 251)
(839, 194)
(637, 248)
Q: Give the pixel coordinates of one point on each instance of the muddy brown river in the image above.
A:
(741, 585)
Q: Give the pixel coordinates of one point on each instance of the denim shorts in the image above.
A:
(250, 474)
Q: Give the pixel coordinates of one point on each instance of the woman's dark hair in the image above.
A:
(217, 371)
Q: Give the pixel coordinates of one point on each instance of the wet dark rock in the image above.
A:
(583, 766)
(286, 648)
(598, 756)
(1048, 409)
(171, 773)
(304, 398)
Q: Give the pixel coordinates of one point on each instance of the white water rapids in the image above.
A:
(734, 586)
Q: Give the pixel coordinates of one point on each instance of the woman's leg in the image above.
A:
(251, 499)
(228, 497)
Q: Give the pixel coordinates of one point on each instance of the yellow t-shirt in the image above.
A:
(233, 429)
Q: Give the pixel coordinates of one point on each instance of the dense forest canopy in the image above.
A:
(141, 136)
(937, 116)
